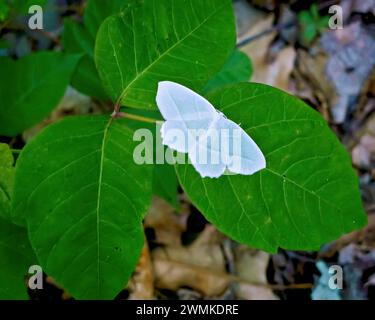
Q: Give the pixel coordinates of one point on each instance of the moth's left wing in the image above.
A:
(185, 113)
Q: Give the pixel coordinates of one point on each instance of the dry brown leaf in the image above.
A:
(257, 49)
(351, 60)
(311, 82)
(141, 284)
(276, 72)
(364, 237)
(200, 266)
(251, 265)
(167, 224)
(363, 153)
(246, 16)
(361, 6)
(65, 295)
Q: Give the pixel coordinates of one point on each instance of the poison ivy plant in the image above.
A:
(80, 193)
(6, 179)
(16, 257)
(31, 87)
(165, 182)
(184, 41)
(88, 234)
(308, 193)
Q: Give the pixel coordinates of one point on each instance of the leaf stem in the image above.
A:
(134, 117)
(16, 151)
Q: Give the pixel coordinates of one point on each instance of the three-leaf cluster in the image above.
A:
(76, 194)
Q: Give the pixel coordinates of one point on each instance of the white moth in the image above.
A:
(215, 144)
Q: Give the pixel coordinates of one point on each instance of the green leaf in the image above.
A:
(85, 199)
(304, 18)
(79, 38)
(237, 68)
(322, 24)
(166, 184)
(31, 87)
(4, 10)
(6, 180)
(85, 79)
(16, 257)
(314, 12)
(150, 41)
(309, 33)
(98, 10)
(308, 193)
(22, 6)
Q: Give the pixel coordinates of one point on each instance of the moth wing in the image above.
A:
(184, 111)
(238, 151)
(205, 155)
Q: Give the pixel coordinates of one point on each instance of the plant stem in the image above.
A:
(16, 151)
(134, 117)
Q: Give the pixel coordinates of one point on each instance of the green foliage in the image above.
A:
(308, 193)
(311, 23)
(84, 208)
(22, 6)
(79, 38)
(31, 87)
(237, 68)
(16, 259)
(98, 10)
(77, 188)
(183, 41)
(165, 180)
(6, 180)
(4, 11)
(16, 255)
(166, 184)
